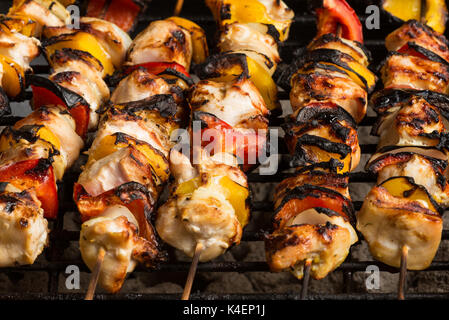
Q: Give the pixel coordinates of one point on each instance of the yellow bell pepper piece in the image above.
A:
(46, 139)
(53, 6)
(111, 144)
(43, 133)
(435, 15)
(363, 71)
(264, 83)
(404, 10)
(247, 11)
(188, 187)
(323, 156)
(13, 79)
(67, 3)
(19, 23)
(176, 81)
(199, 41)
(83, 41)
(402, 188)
(236, 194)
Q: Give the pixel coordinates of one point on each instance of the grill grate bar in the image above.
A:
(242, 297)
(57, 266)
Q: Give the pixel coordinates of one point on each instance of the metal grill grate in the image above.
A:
(54, 264)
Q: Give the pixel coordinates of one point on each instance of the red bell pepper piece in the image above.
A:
(411, 52)
(123, 13)
(158, 68)
(319, 200)
(37, 174)
(335, 13)
(79, 112)
(131, 195)
(249, 144)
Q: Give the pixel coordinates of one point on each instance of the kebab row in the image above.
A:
(128, 161)
(401, 217)
(36, 152)
(313, 222)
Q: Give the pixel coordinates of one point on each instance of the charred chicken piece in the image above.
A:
(407, 71)
(400, 213)
(24, 229)
(421, 34)
(209, 206)
(321, 132)
(324, 87)
(312, 222)
(411, 122)
(426, 166)
(161, 41)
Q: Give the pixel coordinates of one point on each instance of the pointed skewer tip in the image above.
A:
(192, 271)
(95, 275)
(178, 8)
(305, 280)
(403, 273)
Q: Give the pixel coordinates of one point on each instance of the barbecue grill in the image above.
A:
(46, 278)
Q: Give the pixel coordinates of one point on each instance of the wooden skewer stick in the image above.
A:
(95, 275)
(192, 272)
(403, 273)
(339, 31)
(305, 279)
(178, 7)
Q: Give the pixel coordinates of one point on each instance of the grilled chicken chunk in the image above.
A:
(45, 12)
(414, 31)
(407, 71)
(253, 40)
(238, 103)
(414, 122)
(203, 214)
(312, 222)
(24, 231)
(19, 48)
(400, 213)
(116, 232)
(319, 132)
(327, 87)
(161, 41)
(124, 165)
(425, 165)
(278, 10)
(158, 136)
(62, 125)
(96, 93)
(330, 41)
(68, 59)
(138, 85)
(114, 40)
(326, 245)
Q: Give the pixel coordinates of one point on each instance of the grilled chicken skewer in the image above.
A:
(128, 160)
(208, 208)
(401, 216)
(36, 152)
(19, 33)
(313, 221)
